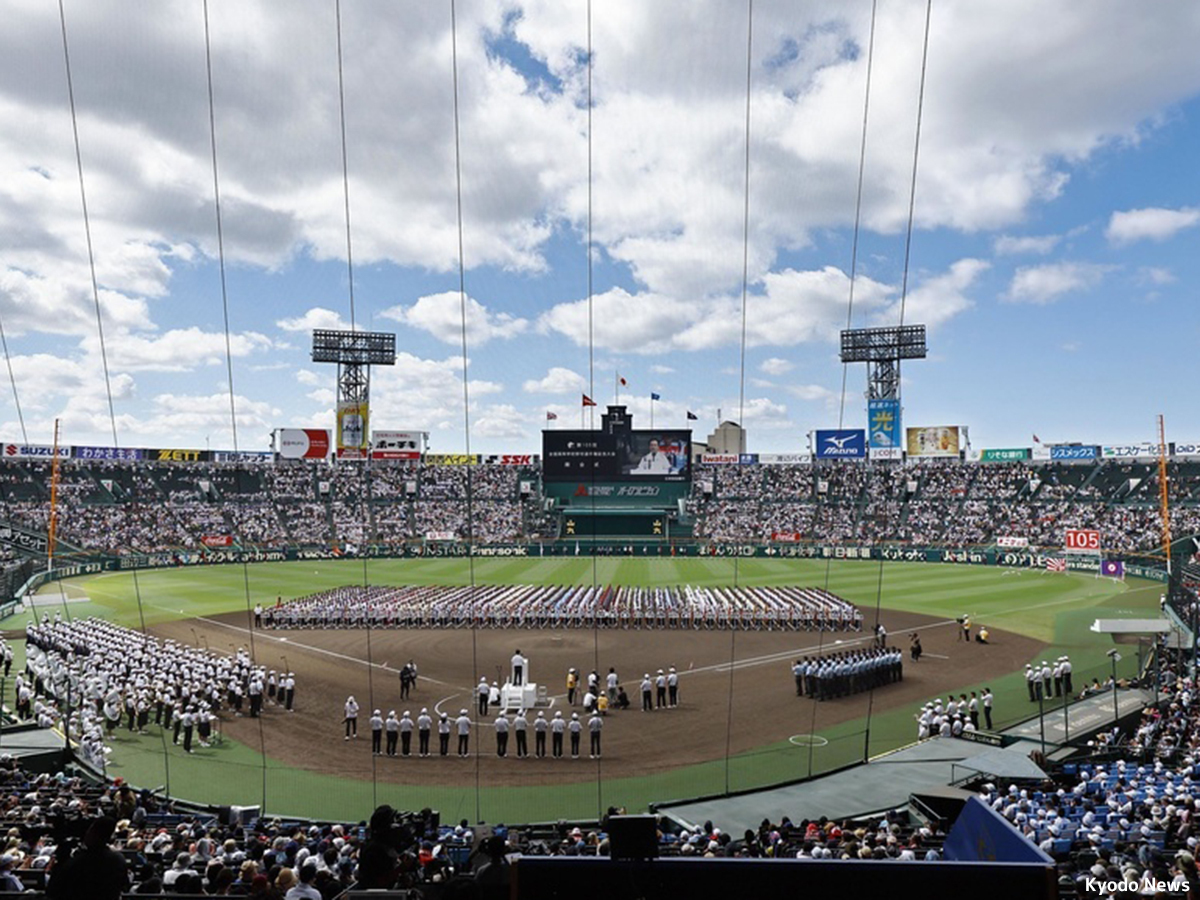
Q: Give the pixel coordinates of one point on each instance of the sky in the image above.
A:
(1053, 252)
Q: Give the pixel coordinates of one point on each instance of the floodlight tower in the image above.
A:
(882, 349)
(354, 352)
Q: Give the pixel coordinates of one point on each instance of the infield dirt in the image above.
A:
(736, 690)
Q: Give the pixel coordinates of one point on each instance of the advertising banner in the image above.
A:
(936, 440)
(118, 453)
(1010, 542)
(783, 459)
(748, 459)
(217, 540)
(242, 456)
(510, 459)
(45, 451)
(352, 420)
(452, 459)
(720, 459)
(1130, 451)
(883, 427)
(1011, 454)
(1180, 448)
(786, 537)
(170, 454)
(397, 444)
(303, 443)
(1074, 452)
(845, 443)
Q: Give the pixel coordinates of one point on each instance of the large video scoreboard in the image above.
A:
(656, 455)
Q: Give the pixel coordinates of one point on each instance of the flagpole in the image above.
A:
(651, 412)
(616, 388)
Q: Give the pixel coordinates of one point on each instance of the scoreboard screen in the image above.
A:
(647, 455)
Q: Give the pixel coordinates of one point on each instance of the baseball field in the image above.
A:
(739, 724)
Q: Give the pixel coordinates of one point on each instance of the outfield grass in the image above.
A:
(1056, 609)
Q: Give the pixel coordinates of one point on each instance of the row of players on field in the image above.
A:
(394, 733)
(567, 606)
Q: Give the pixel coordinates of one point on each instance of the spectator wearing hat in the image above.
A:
(285, 881)
(9, 883)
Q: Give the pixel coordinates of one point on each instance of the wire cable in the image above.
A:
(462, 305)
(87, 224)
(742, 366)
(912, 202)
(13, 381)
(87, 228)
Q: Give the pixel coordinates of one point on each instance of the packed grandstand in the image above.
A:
(122, 507)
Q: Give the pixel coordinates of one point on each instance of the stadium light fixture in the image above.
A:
(883, 349)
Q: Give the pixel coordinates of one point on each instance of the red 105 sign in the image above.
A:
(1079, 539)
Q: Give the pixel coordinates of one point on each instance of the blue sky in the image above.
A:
(1054, 257)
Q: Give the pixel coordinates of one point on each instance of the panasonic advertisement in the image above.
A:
(843, 443)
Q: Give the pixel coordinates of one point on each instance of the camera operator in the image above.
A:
(387, 859)
(95, 870)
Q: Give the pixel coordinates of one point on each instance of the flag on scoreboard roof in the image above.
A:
(588, 401)
(654, 396)
(624, 383)
(1112, 568)
(551, 416)
(1056, 564)
(692, 416)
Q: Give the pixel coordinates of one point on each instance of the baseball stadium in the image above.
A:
(789, 637)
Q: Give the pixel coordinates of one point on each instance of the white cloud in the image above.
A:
(1045, 284)
(314, 318)
(442, 316)
(812, 392)
(557, 381)
(177, 350)
(939, 298)
(175, 413)
(794, 307)
(775, 366)
(1025, 245)
(1153, 224)
(310, 378)
(659, 369)
(1156, 275)
(501, 421)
